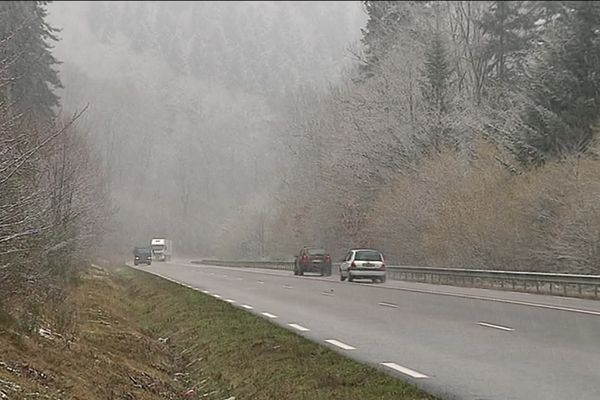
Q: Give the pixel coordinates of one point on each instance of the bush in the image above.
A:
(476, 213)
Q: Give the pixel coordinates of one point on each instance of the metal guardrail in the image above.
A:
(574, 285)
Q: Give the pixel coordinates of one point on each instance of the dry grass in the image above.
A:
(96, 351)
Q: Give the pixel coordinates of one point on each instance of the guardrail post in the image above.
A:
(537, 286)
(579, 288)
(596, 291)
(565, 288)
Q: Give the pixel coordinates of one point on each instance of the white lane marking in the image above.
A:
(211, 273)
(206, 292)
(239, 279)
(404, 370)
(299, 327)
(287, 286)
(230, 301)
(269, 315)
(224, 276)
(247, 307)
(383, 303)
(340, 344)
(503, 328)
(260, 281)
(326, 294)
(217, 296)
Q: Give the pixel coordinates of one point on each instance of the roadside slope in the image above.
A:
(213, 351)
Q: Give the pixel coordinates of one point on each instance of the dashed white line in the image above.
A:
(260, 281)
(269, 315)
(384, 304)
(247, 307)
(340, 344)
(224, 276)
(404, 370)
(205, 292)
(502, 328)
(299, 327)
(287, 286)
(326, 294)
(217, 296)
(230, 301)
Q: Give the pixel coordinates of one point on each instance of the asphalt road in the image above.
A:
(457, 343)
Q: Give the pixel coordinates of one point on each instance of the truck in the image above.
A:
(162, 249)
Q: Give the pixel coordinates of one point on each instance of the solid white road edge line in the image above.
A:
(269, 315)
(340, 344)
(503, 328)
(383, 303)
(404, 370)
(299, 327)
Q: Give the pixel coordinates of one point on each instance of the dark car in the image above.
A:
(142, 255)
(312, 259)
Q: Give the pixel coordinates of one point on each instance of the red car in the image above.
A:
(312, 259)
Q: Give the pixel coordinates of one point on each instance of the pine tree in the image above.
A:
(509, 28)
(26, 39)
(435, 90)
(565, 86)
(385, 18)
(437, 74)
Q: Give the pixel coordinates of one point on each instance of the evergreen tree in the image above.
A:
(509, 28)
(385, 18)
(435, 90)
(437, 74)
(565, 85)
(26, 38)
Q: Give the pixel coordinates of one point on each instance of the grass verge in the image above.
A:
(213, 351)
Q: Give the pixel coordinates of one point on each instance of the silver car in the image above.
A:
(363, 264)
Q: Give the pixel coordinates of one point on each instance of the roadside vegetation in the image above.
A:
(467, 137)
(137, 336)
(54, 203)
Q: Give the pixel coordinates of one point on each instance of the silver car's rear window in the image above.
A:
(368, 256)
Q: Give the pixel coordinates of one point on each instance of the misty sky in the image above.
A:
(186, 102)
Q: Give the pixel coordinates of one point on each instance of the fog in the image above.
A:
(186, 104)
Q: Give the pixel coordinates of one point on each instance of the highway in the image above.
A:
(457, 343)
